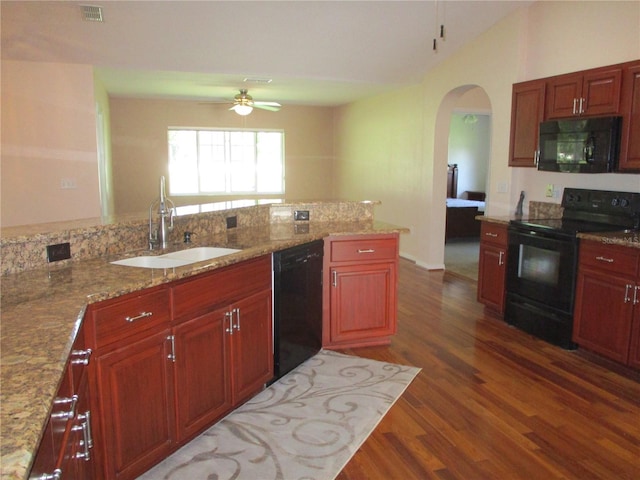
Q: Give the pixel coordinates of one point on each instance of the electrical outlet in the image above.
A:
(301, 215)
(549, 192)
(60, 251)
(232, 222)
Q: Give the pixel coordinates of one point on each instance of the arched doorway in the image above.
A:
(468, 152)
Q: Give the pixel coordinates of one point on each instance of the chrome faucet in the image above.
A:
(159, 236)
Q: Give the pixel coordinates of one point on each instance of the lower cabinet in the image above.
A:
(360, 290)
(492, 266)
(66, 448)
(607, 308)
(172, 360)
(136, 405)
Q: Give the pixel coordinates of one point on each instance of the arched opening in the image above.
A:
(465, 151)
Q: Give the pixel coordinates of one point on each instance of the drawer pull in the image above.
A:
(138, 317)
(68, 415)
(489, 234)
(80, 357)
(366, 250)
(600, 258)
(56, 475)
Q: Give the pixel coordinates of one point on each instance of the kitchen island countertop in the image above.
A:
(42, 310)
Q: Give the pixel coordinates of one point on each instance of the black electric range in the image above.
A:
(542, 259)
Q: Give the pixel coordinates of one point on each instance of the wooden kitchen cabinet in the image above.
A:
(360, 290)
(607, 311)
(67, 443)
(589, 93)
(136, 397)
(629, 159)
(251, 346)
(527, 111)
(132, 372)
(202, 388)
(172, 360)
(492, 266)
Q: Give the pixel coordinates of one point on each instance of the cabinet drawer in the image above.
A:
(121, 318)
(610, 258)
(213, 289)
(494, 233)
(363, 250)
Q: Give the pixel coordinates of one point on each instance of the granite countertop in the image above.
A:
(42, 310)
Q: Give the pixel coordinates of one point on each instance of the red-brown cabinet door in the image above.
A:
(202, 386)
(135, 385)
(362, 301)
(251, 345)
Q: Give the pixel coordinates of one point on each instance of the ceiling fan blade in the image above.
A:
(271, 108)
(270, 104)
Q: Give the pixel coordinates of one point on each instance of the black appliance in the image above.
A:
(297, 305)
(583, 145)
(542, 259)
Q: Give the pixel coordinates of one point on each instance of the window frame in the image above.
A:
(227, 159)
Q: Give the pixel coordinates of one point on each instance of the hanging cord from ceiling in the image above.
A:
(441, 23)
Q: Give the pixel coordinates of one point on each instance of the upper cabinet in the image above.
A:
(595, 92)
(526, 114)
(604, 91)
(630, 141)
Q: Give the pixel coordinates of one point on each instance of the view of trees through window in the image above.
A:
(225, 162)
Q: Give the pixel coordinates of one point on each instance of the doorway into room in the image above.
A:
(468, 165)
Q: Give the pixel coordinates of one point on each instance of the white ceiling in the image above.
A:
(315, 52)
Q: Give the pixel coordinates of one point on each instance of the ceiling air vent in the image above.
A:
(92, 13)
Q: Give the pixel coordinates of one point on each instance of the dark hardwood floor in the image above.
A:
(492, 402)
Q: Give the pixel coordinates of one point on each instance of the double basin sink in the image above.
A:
(176, 259)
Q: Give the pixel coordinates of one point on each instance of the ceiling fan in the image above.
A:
(243, 104)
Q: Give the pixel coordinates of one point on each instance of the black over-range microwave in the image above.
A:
(584, 145)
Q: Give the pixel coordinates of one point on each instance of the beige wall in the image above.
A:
(140, 153)
(48, 134)
(542, 40)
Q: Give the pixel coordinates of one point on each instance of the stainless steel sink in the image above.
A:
(176, 259)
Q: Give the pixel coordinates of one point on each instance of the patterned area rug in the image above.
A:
(305, 426)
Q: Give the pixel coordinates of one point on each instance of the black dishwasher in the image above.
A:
(297, 305)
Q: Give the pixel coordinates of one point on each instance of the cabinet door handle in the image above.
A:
(237, 313)
(626, 293)
(334, 275)
(86, 454)
(583, 105)
(636, 297)
(228, 319)
(56, 475)
(501, 258)
(604, 259)
(86, 416)
(536, 157)
(69, 414)
(366, 250)
(575, 101)
(172, 353)
(138, 317)
(80, 357)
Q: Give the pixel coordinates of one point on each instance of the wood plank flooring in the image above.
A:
(492, 402)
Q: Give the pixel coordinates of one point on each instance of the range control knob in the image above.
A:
(615, 201)
(624, 202)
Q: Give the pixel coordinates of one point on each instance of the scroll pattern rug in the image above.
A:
(305, 426)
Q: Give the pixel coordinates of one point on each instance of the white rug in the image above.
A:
(306, 426)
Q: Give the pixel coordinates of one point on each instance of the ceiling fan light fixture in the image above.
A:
(242, 109)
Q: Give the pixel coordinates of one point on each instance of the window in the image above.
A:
(225, 162)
